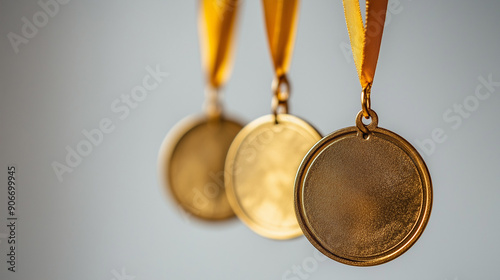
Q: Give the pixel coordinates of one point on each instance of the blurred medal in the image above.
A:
(191, 159)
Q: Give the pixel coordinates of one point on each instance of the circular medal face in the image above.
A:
(363, 200)
(260, 171)
(192, 164)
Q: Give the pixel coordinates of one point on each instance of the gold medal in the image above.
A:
(192, 163)
(260, 171)
(363, 199)
(363, 194)
(264, 157)
(191, 159)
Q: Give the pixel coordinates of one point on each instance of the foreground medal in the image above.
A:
(363, 198)
(260, 171)
(363, 194)
(192, 162)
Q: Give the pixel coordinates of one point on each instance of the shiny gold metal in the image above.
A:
(363, 198)
(281, 93)
(260, 171)
(365, 100)
(365, 129)
(191, 162)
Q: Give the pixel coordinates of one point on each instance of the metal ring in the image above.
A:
(278, 83)
(213, 104)
(366, 129)
(280, 97)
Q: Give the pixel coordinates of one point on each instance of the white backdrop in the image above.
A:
(69, 68)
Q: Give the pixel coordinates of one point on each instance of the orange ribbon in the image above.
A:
(281, 24)
(216, 24)
(365, 40)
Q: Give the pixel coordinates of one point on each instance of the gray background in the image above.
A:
(110, 217)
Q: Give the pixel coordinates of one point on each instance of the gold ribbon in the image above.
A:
(365, 41)
(216, 29)
(281, 24)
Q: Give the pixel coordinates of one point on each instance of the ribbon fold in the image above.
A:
(281, 25)
(365, 40)
(216, 25)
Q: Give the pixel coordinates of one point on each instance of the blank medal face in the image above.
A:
(363, 201)
(260, 169)
(192, 163)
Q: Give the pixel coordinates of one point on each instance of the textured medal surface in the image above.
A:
(260, 172)
(192, 163)
(363, 201)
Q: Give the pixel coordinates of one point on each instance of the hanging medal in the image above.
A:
(363, 194)
(192, 156)
(264, 157)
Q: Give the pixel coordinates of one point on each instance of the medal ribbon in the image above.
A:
(365, 41)
(216, 30)
(281, 24)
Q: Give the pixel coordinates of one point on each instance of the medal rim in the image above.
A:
(233, 150)
(427, 196)
(169, 145)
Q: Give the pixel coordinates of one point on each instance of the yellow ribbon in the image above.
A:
(216, 29)
(365, 41)
(281, 24)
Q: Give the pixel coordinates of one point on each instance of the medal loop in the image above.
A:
(366, 129)
(213, 104)
(365, 101)
(281, 94)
